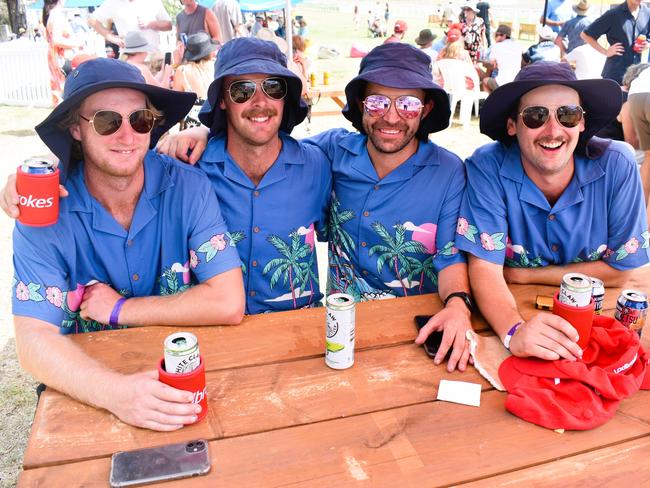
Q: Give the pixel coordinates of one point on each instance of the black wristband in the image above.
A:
(467, 299)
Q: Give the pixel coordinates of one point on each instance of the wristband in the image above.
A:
(115, 314)
(511, 332)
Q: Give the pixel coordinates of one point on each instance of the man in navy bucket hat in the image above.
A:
(548, 198)
(136, 228)
(390, 233)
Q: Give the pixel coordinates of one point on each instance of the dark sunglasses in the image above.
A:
(243, 90)
(107, 122)
(567, 115)
(407, 106)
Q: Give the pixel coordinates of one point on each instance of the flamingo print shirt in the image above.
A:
(274, 223)
(506, 219)
(177, 238)
(391, 236)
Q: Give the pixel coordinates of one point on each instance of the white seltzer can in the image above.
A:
(575, 290)
(339, 340)
(181, 353)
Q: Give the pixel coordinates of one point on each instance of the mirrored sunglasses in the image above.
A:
(567, 115)
(107, 122)
(407, 106)
(243, 90)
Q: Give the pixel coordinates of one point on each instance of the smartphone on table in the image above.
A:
(162, 463)
(432, 344)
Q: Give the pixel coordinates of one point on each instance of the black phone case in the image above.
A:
(432, 344)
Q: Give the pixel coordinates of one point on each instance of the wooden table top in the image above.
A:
(279, 416)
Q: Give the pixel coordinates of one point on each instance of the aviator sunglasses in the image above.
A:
(107, 122)
(407, 106)
(567, 115)
(242, 91)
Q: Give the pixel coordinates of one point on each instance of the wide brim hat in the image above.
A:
(425, 37)
(600, 98)
(582, 7)
(398, 65)
(469, 6)
(136, 42)
(100, 74)
(246, 56)
(199, 46)
(267, 34)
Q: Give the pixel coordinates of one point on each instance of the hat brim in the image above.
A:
(600, 98)
(295, 108)
(174, 104)
(206, 50)
(436, 120)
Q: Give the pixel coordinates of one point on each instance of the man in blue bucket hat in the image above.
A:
(390, 233)
(127, 238)
(548, 198)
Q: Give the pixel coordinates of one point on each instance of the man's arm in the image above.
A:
(559, 42)
(138, 399)
(219, 300)
(212, 26)
(193, 141)
(104, 32)
(157, 25)
(552, 275)
(545, 335)
(615, 49)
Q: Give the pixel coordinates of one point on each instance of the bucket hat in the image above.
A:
(135, 42)
(398, 65)
(198, 46)
(600, 98)
(245, 56)
(100, 74)
(582, 7)
(469, 6)
(425, 37)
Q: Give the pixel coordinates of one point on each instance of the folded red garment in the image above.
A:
(583, 394)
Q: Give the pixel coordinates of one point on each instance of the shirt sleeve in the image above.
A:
(103, 12)
(40, 286)
(628, 237)
(482, 227)
(600, 26)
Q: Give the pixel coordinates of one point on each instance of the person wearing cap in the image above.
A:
(129, 248)
(504, 59)
(621, 25)
(399, 31)
(396, 195)
(425, 41)
(136, 50)
(473, 29)
(544, 50)
(547, 198)
(569, 37)
(454, 47)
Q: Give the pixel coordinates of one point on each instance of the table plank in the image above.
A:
(430, 444)
(249, 400)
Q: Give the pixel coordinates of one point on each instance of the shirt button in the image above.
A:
(364, 244)
(551, 217)
(365, 272)
(256, 193)
(252, 293)
(554, 248)
(129, 242)
(256, 229)
(376, 187)
(365, 214)
(136, 277)
(254, 263)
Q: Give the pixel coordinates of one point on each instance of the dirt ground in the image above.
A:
(17, 389)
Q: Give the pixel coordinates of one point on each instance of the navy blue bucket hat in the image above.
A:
(601, 100)
(100, 74)
(398, 65)
(246, 56)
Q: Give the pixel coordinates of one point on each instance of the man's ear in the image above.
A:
(222, 103)
(426, 109)
(511, 127)
(75, 132)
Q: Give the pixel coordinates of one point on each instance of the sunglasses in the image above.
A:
(567, 115)
(107, 122)
(407, 106)
(243, 90)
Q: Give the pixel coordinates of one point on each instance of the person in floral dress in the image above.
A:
(473, 29)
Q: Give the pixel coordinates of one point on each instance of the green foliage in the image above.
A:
(173, 7)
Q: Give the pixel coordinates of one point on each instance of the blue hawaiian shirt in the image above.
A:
(390, 236)
(274, 223)
(506, 219)
(177, 238)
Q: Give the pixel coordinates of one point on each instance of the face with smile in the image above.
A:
(122, 153)
(547, 150)
(255, 122)
(391, 133)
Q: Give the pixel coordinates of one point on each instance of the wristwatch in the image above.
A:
(464, 296)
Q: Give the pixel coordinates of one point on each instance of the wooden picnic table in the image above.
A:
(279, 416)
(321, 93)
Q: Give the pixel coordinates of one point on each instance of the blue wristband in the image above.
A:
(115, 314)
(511, 332)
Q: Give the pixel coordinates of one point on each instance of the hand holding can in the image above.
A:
(37, 183)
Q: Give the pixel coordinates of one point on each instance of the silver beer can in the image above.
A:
(598, 294)
(339, 340)
(181, 353)
(575, 290)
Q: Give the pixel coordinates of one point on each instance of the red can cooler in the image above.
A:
(38, 193)
(581, 318)
(194, 382)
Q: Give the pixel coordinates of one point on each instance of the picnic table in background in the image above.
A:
(279, 416)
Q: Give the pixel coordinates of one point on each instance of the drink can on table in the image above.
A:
(575, 290)
(598, 294)
(632, 309)
(181, 353)
(339, 351)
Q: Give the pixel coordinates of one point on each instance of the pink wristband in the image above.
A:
(511, 332)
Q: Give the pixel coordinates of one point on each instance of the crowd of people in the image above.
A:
(221, 220)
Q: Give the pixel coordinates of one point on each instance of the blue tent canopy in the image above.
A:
(255, 5)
